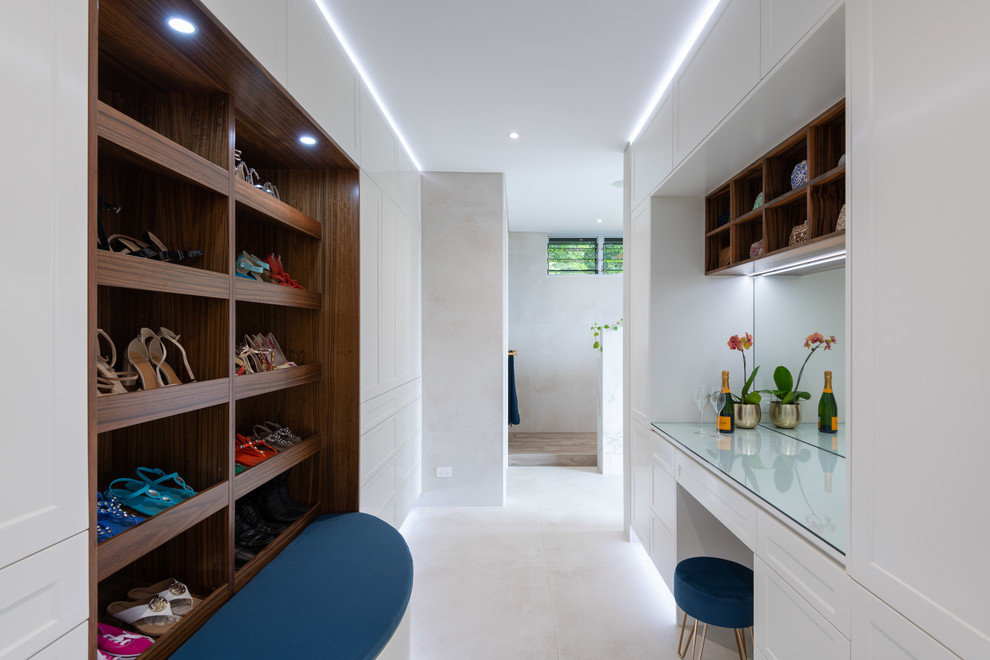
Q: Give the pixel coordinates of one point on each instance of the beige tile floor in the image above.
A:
(549, 575)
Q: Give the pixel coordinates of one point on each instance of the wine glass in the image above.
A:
(718, 400)
(700, 401)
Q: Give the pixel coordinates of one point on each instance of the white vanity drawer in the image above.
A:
(733, 510)
(786, 626)
(813, 575)
(664, 497)
(663, 451)
(664, 552)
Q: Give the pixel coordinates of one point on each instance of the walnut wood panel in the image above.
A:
(250, 569)
(826, 201)
(265, 471)
(275, 209)
(179, 214)
(827, 140)
(144, 143)
(744, 234)
(91, 351)
(745, 189)
(780, 165)
(342, 442)
(119, 410)
(276, 294)
(125, 548)
(124, 271)
(254, 384)
(780, 219)
(716, 204)
(787, 198)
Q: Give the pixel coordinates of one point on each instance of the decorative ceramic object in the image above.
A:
(785, 415)
(722, 219)
(756, 249)
(840, 224)
(747, 415)
(842, 160)
(799, 176)
(799, 234)
(759, 201)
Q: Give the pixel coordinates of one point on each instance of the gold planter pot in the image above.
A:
(747, 415)
(785, 415)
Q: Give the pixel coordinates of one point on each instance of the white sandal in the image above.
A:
(151, 616)
(176, 593)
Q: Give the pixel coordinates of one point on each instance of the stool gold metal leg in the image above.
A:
(741, 643)
(683, 652)
(704, 635)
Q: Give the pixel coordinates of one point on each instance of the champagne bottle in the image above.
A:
(726, 418)
(828, 411)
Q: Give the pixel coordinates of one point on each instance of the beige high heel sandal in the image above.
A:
(140, 358)
(166, 374)
(108, 380)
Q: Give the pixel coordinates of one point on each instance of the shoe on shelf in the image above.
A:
(277, 436)
(280, 485)
(278, 357)
(242, 556)
(250, 512)
(279, 274)
(111, 519)
(147, 495)
(121, 643)
(253, 268)
(139, 353)
(176, 593)
(179, 492)
(246, 536)
(250, 452)
(108, 380)
(165, 254)
(274, 503)
(151, 616)
(166, 374)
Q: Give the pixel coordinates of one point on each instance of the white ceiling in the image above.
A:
(573, 77)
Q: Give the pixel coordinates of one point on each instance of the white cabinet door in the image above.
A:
(880, 632)
(918, 536)
(787, 627)
(652, 152)
(642, 483)
(637, 322)
(722, 71)
(664, 552)
(371, 232)
(377, 145)
(43, 597)
(785, 22)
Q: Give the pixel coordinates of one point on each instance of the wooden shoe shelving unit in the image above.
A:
(166, 112)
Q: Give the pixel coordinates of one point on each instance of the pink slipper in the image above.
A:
(121, 643)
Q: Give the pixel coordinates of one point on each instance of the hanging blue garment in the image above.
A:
(513, 400)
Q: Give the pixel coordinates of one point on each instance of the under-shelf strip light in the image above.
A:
(807, 263)
(357, 65)
(693, 34)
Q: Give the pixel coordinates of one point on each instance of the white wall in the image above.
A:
(464, 343)
(550, 322)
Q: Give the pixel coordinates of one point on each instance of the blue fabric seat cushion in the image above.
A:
(339, 590)
(715, 591)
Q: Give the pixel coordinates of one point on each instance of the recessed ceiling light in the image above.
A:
(513, 135)
(617, 184)
(181, 25)
(307, 139)
(599, 220)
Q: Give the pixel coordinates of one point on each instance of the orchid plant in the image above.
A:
(743, 344)
(787, 390)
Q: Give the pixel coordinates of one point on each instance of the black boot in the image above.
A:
(271, 507)
(246, 536)
(249, 511)
(280, 484)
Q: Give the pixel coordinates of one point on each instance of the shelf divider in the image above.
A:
(275, 294)
(115, 411)
(263, 472)
(129, 272)
(276, 210)
(279, 379)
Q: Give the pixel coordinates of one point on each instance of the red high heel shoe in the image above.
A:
(279, 274)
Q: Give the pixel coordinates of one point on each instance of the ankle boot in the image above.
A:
(271, 507)
(280, 484)
(246, 536)
(249, 511)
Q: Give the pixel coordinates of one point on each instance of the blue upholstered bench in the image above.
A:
(339, 590)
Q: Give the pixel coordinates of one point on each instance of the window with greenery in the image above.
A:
(584, 256)
(612, 255)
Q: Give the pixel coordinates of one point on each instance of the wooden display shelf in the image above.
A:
(818, 201)
(265, 471)
(128, 272)
(276, 210)
(279, 379)
(250, 569)
(275, 294)
(717, 231)
(137, 142)
(117, 552)
(115, 411)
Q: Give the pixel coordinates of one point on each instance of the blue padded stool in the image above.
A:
(715, 592)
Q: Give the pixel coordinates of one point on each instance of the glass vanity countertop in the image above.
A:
(808, 432)
(797, 477)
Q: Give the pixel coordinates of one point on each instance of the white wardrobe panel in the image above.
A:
(642, 483)
(377, 446)
(784, 23)
(637, 322)
(377, 145)
(652, 152)
(43, 480)
(320, 75)
(371, 214)
(70, 646)
(387, 268)
(260, 26)
(880, 632)
(43, 597)
(407, 179)
(917, 537)
(722, 71)
(379, 490)
(414, 293)
(403, 342)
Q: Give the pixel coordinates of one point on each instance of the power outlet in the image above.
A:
(444, 472)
